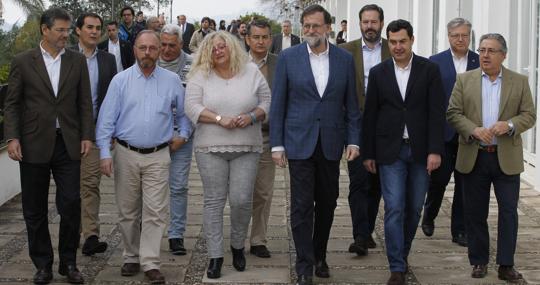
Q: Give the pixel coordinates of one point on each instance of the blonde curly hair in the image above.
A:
(202, 61)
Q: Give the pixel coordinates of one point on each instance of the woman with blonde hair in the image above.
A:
(228, 98)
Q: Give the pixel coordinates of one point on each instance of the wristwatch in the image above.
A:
(510, 126)
(218, 119)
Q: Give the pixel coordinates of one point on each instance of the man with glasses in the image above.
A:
(49, 127)
(455, 60)
(314, 116)
(490, 108)
(128, 27)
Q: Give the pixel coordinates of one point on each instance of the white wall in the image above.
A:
(9, 177)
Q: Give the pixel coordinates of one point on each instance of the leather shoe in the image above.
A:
(460, 239)
(92, 245)
(214, 268)
(428, 228)
(43, 276)
(321, 269)
(396, 278)
(239, 260)
(509, 273)
(260, 251)
(359, 246)
(130, 269)
(304, 280)
(370, 242)
(176, 245)
(73, 274)
(155, 276)
(479, 271)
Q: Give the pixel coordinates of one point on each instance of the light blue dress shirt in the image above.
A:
(93, 72)
(371, 58)
(139, 109)
(491, 98)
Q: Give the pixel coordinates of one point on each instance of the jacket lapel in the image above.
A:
(471, 61)
(391, 75)
(333, 67)
(477, 102)
(506, 86)
(415, 66)
(304, 61)
(39, 65)
(65, 69)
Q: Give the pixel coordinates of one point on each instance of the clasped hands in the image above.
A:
(486, 135)
(240, 121)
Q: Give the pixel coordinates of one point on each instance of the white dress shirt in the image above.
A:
(285, 41)
(402, 78)
(114, 48)
(320, 67)
(371, 58)
(53, 69)
(460, 63)
(491, 99)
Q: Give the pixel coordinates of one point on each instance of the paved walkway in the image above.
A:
(434, 260)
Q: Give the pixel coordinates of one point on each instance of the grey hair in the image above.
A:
(286, 21)
(172, 29)
(145, 32)
(456, 22)
(497, 37)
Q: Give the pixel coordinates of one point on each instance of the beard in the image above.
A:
(146, 62)
(314, 41)
(371, 35)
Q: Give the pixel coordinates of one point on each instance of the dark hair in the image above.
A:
(372, 7)
(259, 24)
(50, 15)
(343, 21)
(314, 9)
(212, 21)
(112, 23)
(205, 19)
(127, 8)
(139, 13)
(80, 21)
(398, 25)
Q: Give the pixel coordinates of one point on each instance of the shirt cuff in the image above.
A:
(278, 148)
(105, 152)
(353, 145)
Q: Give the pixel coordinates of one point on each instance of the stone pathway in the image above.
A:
(434, 260)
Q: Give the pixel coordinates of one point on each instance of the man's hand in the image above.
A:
(352, 153)
(370, 165)
(106, 166)
(482, 134)
(227, 122)
(500, 128)
(433, 162)
(14, 150)
(86, 145)
(176, 143)
(279, 158)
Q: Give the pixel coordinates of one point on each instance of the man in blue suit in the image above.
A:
(457, 59)
(314, 114)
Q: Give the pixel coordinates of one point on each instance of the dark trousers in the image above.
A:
(437, 185)
(364, 198)
(476, 200)
(35, 180)
(314, 192)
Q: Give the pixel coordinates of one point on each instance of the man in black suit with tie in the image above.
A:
(284, 40)
(403, 135)
(48, 127)
(101, 70)
(122, 50)
(187, 32)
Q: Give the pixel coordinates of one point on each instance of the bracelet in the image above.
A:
(253, 117)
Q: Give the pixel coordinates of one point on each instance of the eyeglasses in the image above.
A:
(459, 36)
(145, 48)
(219, 48)
(308, 27)
(489, 51)
(62, 30)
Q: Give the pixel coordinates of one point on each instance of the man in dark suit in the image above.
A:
(364, 187)
(187, 32)
(285, 39)
(122, 50)
(101, 70)
(314, 114)
(341, 37)
(49, 126)
(457, 59)
(403, 138)
(490, 108)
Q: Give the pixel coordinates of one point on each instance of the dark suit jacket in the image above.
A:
(386, 113)
(339, 38)
(278, 38)
(448, 74)
(355, 47)
(271, 62)
(31, 108)
(299, 116)
(186, 37)
(126, 52)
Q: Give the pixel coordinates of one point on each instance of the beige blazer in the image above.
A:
(465, 114)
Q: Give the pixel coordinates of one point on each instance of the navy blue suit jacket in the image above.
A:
(299, 115)
(448, 75)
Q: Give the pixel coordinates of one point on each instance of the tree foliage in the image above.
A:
(275, 26)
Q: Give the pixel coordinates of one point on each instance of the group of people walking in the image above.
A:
(403, 122)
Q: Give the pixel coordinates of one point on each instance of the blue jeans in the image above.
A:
(404, 184)
(178, 182)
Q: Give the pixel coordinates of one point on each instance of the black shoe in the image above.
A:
(396, 278)
(73, 274)
(509, 273)
(479, 271)
(321, 269)
(130, 269)
(428, 228)
(370, 242)
(154, 276)
(176, 245)
(460, 239)
(359, 246)
(92, 245)
(214, 268)
(239, 260)
(260, 251)
(43, 276)
(304, 280)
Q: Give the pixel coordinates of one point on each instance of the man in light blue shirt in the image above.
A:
(138, 113)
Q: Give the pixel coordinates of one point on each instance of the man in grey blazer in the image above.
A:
(284, 40)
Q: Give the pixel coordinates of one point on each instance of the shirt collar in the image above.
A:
(261, 62)
(140, 73)
(454, 56)
(377, 45)
(485, 75)
(46, 53)
(81, 50)
(285, 36)
(408, 67)
(113, 43)
(310, 52)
